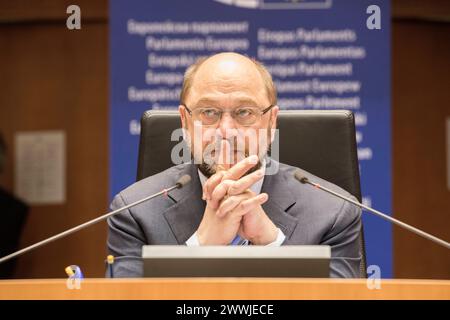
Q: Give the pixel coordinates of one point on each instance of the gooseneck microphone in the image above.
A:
(180, 184)
(301, 178)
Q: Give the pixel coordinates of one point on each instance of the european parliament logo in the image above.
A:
(279, 4)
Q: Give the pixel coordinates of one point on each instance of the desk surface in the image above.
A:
(224, 288)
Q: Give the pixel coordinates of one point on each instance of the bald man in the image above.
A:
(228, 110)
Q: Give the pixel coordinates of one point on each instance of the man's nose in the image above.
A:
(227, 126)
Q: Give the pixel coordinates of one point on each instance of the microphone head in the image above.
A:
(300, 177)
(184, 180)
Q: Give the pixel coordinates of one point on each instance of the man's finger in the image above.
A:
(234, 173)
(231, 188)
(240, 168)
(249, 205)
(219, 193)
(211, 184)
(224, 154)
(239, 186)
(230, 203)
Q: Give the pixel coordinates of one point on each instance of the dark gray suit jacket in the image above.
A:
(306, 216)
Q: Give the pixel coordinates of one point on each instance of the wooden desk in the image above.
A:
(224, 288)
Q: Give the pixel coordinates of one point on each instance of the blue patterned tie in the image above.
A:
(238, 241)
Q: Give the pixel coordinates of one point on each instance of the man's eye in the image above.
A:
(242, 113)
(209, 113)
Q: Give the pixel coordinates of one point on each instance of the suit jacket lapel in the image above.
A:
(185, 215)
(281, 200)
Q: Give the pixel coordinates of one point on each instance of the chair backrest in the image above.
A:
(320, 142)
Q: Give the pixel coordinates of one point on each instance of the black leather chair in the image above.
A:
(321, 142)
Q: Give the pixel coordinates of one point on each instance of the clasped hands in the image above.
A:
(233, 209)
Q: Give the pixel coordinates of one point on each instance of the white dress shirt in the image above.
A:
(256, 188)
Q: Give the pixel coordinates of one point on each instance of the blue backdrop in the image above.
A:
(320, 53)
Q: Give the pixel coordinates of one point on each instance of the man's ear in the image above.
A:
(274, 117)
(273, 122)
(182, 111)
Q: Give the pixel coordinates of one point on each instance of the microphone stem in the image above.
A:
(82, 226)
(382, 215)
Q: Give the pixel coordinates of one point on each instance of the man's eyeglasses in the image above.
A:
(244, 116)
